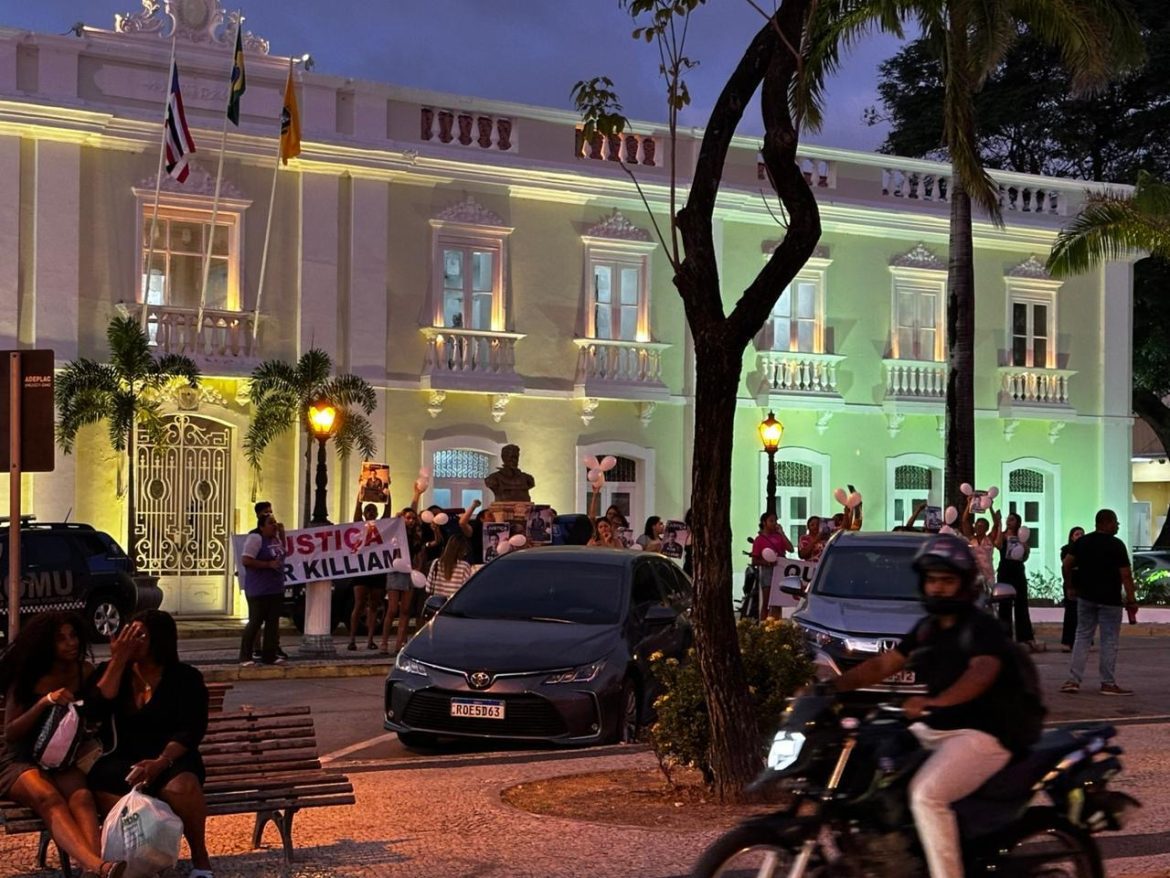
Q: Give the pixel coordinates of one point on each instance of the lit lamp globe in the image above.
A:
(771, 432)
(322, 416)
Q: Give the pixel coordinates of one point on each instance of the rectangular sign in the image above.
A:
(784, 568)
(374, 483)
(37, 417)
(336, 551)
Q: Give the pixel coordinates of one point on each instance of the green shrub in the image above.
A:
(1153, 587)
(776, 663)
(1046, 585)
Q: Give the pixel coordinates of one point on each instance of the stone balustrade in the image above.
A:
(915, 379)
(467, 128)
(922, 186)
(470, 358)
(800, 373)
(818, 173)
(223, 338)
(633, 149)
(1031, 386)
(1033, 199)
(899, 183)
(605, 366)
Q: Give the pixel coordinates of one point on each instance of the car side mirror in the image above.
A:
(792, 585)
(657, 614)
(1002, 592)
(433, 604)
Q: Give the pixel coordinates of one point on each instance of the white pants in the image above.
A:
(962, 761)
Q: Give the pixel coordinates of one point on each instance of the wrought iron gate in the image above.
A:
(183, 512)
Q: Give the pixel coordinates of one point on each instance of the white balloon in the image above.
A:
(840, 496)
(1025, 534)
(950, 515)
(854, 500)
(769, 555)
(1016, 552)
(947, 529)
(441, 518)
(518, 541)
(425, 472)
(421, 485)
(400, 565)
(590, 461)
(427, 516)
(993, 492)
(417, 579)
(504, 548)
(608, 463)
(594, 474)
(966, 489)
(636, 547)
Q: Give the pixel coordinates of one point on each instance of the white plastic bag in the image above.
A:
(143, 831)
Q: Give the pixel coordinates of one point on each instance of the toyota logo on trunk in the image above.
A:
(479, 679)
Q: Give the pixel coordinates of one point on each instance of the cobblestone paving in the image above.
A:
(431, 822)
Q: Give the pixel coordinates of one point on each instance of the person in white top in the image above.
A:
(450, 570)
(981, 542)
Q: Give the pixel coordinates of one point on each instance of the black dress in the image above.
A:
(1012, 572)
(176, 711)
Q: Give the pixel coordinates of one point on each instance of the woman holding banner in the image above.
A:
(769, 548)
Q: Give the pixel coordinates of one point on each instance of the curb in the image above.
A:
(221, 673)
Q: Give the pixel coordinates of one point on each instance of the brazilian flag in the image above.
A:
(239, 81)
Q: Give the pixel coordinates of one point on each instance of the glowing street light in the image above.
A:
(322, 419)
(771, 432)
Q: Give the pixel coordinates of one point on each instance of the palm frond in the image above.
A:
(170, 366)
(84, 407)
(346, 390)
(313, 368)
(269, 420)
(273, 377)
(1109, 227)
(126, 409)
(129, 348)
(148, 418)
(355, 433)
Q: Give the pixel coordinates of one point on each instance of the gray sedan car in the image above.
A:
(548, 644)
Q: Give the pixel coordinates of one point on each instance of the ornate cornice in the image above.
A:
(470, 212)
(199, 183)
(769, 247)
(193, 21)
(1030, 268)
(617, 227)
(920, 256)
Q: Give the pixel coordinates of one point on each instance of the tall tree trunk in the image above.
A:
(960, 404)
(1150, 408)
(735, 751)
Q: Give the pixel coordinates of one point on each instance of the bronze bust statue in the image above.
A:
(509, 483)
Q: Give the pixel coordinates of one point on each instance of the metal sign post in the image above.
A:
(28, 446)
(14, 383)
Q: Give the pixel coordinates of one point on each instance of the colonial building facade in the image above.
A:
(498, 280)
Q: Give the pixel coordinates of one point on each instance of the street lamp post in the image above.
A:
(318, 638)
(771, 432)
(322, 417)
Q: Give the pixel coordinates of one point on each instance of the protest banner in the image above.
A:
(786, 567)
(336, 551)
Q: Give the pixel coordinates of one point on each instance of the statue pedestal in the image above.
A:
(513, 512)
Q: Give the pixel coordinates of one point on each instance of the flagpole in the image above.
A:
(218, 180)
(162, 152)
(268, 226)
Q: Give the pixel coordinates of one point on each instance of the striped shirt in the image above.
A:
(440, 585)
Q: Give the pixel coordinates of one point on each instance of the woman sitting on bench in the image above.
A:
(154, 712)
(47, 666)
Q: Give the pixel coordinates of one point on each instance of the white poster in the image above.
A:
(336, 551)
(784, 568)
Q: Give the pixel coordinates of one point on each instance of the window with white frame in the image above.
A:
(621, 489)
(795, 322)
(175, 274)
(457, 477)
(1032, 327)
(918, 310)
(617, 289)
(1027, 498)
(913, 486)
(794, 497)
(470, 285)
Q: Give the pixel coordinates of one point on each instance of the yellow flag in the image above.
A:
(290, 123)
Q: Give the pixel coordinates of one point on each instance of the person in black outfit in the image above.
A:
(1013, 555)
(1068, 631)
(153, 710)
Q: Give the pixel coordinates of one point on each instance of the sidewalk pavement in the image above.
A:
(213, 646)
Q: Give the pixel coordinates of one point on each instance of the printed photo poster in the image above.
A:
(494, 533)
(934, 519)
(374, 483)
(625, 536)
(539, 525)
(675, 537)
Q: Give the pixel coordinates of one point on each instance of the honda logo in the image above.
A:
(887, 645)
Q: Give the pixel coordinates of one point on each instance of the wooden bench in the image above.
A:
(259, 761)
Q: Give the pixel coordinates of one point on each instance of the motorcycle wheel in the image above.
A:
(1048, 846)
(753, 849)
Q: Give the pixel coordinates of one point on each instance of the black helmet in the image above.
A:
(952, 554)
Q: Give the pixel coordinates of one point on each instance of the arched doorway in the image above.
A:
(183, 512)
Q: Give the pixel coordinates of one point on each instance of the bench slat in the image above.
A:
(280, 805)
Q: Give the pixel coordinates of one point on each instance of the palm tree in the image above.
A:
(282, 393)
(1095, 38)
(123, 392)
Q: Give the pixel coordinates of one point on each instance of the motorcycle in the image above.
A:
(844, 771)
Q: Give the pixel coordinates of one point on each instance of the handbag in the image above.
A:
(143, 831)
(61, 733)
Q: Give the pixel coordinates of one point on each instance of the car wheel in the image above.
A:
(628, 720)
(417, 740)
(106, 617)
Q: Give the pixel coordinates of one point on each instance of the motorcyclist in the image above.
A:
(958, 651)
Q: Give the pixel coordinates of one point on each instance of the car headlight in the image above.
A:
(785, 750)
(583, 674)
(408, 665)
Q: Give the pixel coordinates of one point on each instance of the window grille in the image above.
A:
(912, 478)
(461, 463)
(625, 471)
(1025, 481)
(790, 474)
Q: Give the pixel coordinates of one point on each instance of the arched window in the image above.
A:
(794, 496)
(1026, 499)
(911, 480)
(620, 490)
(458, 476)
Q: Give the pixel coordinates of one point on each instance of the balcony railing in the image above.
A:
(800, 373)
(471, 358)
(632, 369)
(1013, 197)
(224, 337)
(1035, 387)
(924, 380)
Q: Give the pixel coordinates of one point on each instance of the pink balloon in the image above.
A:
(504, 548)
(769, 555)
(518, 541)
(590, 461)
(400, 565)
(441, 518)
(427, 516)
(608, 463)
(417, 579)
